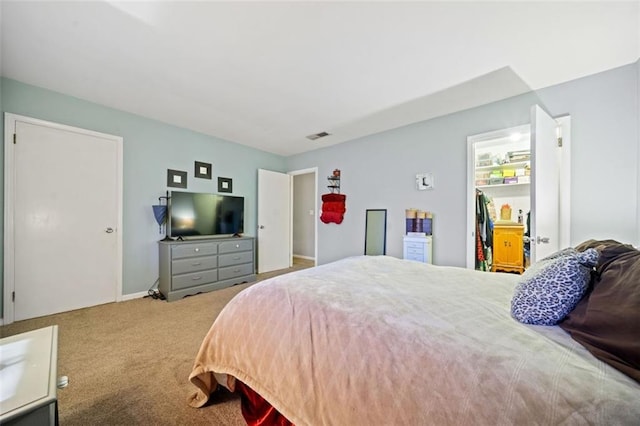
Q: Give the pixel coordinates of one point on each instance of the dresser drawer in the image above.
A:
(189, 250)
(415, 250)
(193, 264)
(234, 246)
(235, 271)
(235, 258)
(415, 245)
(194, 279)
(418, 257)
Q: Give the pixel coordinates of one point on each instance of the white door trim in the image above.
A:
(565, 180)
(313, 170)
(564, 122)
(471, 183)
(9, 201)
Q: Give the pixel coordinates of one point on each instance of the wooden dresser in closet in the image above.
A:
(508, 247)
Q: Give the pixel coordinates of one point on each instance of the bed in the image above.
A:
(378, 340)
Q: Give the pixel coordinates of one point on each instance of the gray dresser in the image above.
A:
(191, 267)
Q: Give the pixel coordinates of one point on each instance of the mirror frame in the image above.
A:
(384, 230)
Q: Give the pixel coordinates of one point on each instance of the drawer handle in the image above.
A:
(196, 249)
(196, 264)
(237, 258)
(196, 278)
(236, 270)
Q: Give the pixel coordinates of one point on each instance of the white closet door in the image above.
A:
(66, 219)
(545, 185)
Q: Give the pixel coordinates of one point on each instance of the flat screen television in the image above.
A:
(195, 214)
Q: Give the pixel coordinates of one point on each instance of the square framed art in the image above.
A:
(202, 170)
(176, 178)
(225, 184)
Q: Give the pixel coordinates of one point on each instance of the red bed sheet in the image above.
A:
(256, 410)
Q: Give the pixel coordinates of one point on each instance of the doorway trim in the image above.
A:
(564, 123)
(313, 170)
(10, 121)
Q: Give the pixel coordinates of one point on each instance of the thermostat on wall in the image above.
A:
(424, 181)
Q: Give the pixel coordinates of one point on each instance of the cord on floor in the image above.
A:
(154, 293)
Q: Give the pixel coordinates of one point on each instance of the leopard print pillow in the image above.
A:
(552, 287)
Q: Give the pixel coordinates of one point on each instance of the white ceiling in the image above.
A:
(267, 74)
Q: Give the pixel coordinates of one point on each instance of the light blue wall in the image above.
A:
(378, 171)
(150, 148)
(604, 154)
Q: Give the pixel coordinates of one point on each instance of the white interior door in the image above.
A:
(65, 209)
(274, 221)
(545, 185)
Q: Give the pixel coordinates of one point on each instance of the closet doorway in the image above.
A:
(521, 173)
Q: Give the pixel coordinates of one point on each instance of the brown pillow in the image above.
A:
(607, 319)
(599, 244)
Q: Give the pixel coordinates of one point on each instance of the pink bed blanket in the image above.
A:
(374, 339)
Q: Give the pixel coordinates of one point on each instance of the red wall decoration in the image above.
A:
(333, 208)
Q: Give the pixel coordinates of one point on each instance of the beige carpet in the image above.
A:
(128, 363)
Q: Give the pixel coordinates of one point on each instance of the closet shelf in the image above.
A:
(504, 166)
(502, 185)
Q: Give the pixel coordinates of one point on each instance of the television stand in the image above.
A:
(197, 266)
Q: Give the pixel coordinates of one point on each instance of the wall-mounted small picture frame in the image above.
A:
(225, 184)
(424, 181)
(202, 170)
(176, 178)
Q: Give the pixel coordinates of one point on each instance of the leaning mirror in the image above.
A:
(375, 238)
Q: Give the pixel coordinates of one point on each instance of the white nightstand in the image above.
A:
(28, 382)
(418, 248)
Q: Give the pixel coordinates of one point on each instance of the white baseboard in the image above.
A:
(132, 296)
(123, 298)
(299, 256)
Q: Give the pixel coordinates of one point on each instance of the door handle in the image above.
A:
(542, 240)
(261, 227)
(108, 230)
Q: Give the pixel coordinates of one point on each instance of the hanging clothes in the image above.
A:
(484, 232)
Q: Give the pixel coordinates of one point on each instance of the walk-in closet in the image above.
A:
(518, 191)
(502, 178)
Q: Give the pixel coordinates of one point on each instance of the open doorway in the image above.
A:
(502, 178)
(522, 175)
(304, 222)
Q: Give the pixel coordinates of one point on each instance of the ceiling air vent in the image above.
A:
(318, 136)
